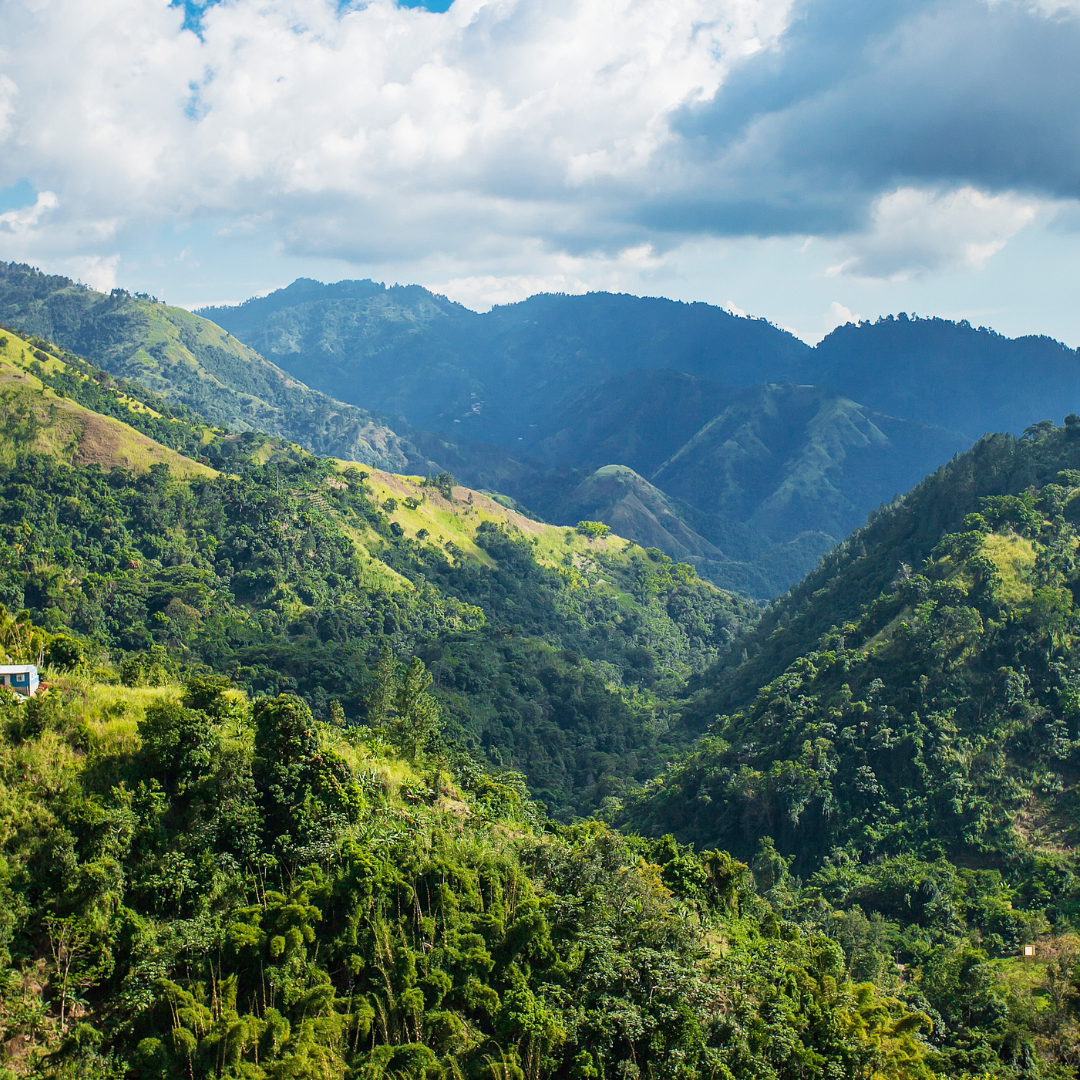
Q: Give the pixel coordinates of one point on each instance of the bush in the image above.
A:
(595, 530)
(65, 653)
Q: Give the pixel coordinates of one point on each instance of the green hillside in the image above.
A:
(190, 363)
(915, 694)
(552, 650)
(204, 876)
(904, 738)
(38, 419)
(198, 885)
(342, 773)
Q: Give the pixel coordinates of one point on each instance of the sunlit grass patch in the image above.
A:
(1014, 558)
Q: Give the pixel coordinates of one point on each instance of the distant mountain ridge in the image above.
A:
(746, 435)
(733, 445)
(495, 377)
(949, 373)
(193, 362)
(531, 399)
(498, 376)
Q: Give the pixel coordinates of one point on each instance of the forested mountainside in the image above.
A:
(193, 364)
(553, 650)
(742, 482)
(300, 795)
(948, 373)
(42, 410)
(915, 695)
(197, 885)
(501, 376)
(905, 732)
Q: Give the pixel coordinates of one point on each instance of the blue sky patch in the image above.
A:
(17, 196)
(193, 12)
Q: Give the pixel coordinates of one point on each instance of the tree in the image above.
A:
(381, 699)
(285, 745)
(178, 744)
(418, 716)
(443, 483)
(594, 530)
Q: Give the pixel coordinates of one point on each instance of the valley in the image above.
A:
(368, 747)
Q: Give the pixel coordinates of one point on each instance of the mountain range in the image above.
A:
(723, 441)
(739, 447)
(340, 772)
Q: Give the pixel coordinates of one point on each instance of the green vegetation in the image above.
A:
(916, 765)
(340, 773)
(62, 410)
(191, 364)
(553, 652)
(195, 885)
(595, 529)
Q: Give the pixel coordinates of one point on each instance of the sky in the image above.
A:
(806, 161)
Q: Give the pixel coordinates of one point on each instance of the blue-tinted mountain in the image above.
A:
(949, 373)
(762, 480)
(501, 376)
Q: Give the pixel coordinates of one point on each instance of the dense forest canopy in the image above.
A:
(337, 773)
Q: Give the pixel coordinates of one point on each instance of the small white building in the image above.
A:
(20, 679)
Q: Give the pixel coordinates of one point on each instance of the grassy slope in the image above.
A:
(36, 419)
(452, 526)
(191, 361)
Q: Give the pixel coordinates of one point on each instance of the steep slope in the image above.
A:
(35, 419)
(500, 376)
(191, 362)
(767, 478)
(786, 460)
(948, 373)
(916, 694)
(630, 505)
(639, 419)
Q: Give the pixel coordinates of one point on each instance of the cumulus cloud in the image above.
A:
(557, 273)
(21, 221)
(916, 230)
(368, 129)
(511, 134)
(99, 272)
(859, 99)
(837, 315)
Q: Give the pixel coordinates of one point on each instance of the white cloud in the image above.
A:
(94, 270)
(8, 93)
(364, 130)
(22, 221)
(837, 315)
(556, 274)
(915, 230)
(516, 141)
(483, 292)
